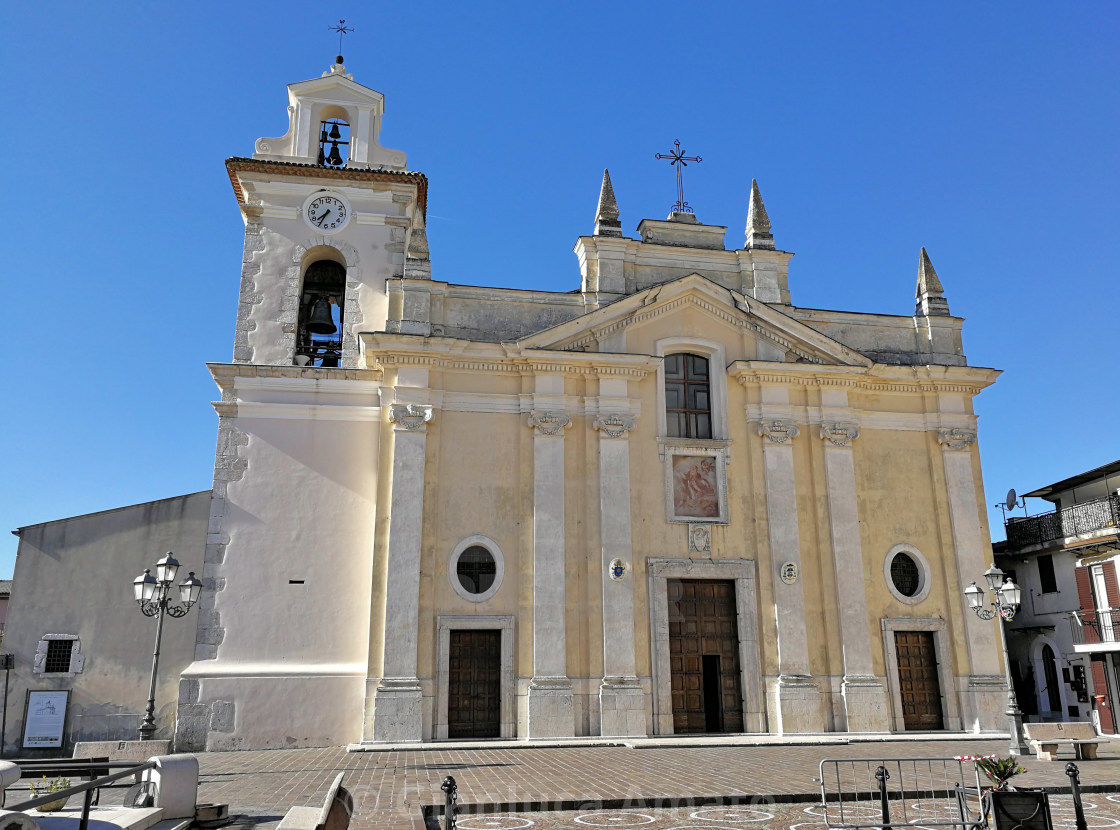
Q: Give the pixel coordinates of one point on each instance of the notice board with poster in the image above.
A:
(44, 718)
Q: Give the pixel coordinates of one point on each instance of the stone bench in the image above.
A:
(1045, 738)
(334, 814)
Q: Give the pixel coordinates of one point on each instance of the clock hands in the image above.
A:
(319, 221)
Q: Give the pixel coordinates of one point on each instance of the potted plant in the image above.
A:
(45, 787)
(999, 770)
(1013, 808)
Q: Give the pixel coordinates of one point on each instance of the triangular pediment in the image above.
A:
(336, 88)
(797, 341)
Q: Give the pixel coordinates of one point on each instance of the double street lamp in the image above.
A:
(1006, 603)
(152, 595)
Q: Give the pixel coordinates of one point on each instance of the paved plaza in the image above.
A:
(1101, 811)
(552, 787)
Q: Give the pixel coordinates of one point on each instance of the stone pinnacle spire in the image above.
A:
(606, 214)
(758, 223)
(929, 294)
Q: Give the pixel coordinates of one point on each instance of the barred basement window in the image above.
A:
(58, 656)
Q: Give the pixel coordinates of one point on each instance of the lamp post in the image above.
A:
(1006, 603)
(152, 595)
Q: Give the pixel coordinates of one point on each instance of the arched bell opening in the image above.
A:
(319, 335)
(334, 137)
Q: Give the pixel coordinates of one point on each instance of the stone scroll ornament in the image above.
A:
(549, 423)
(410, 416)
(956, 438)
(614, 426)
(838, 434)
(778, 431)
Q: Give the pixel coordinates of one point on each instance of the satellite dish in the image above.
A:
(1012, 499)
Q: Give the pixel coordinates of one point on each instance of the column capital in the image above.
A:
(956, 438)
(839, 434)
(778, 431)
(614, 426)
(410, 417)
(549, 423)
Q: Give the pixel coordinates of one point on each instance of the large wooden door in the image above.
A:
(474, 684)
(918, 681)
(704, 656)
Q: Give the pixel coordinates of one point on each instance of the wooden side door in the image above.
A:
(918, 682)
(474, 684)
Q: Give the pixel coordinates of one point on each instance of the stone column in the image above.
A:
(550, 691)
(796, 701)
(621, 702)
(865, 700)
(986, 694)
(397, 714)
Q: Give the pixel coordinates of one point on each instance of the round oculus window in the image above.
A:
(476, 569)
(905, 575)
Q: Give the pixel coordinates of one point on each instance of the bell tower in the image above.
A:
(330, 216)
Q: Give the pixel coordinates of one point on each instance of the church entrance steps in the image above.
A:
(684, 741)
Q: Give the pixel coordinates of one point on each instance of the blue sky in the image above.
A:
(986, 132)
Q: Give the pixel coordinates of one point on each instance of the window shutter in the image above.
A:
(1088, 607)
(1084, 592)
(1111, 588)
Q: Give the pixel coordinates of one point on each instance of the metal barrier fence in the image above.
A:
(930, 792)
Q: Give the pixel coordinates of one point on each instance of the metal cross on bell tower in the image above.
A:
(342, 29)
(679, 160)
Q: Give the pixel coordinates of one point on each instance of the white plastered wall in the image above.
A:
(293, 585)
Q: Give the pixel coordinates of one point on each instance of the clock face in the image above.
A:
(326, 212)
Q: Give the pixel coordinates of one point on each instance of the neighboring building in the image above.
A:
(5, 596)
(1065, 641)
(73, 623)
(668, 501)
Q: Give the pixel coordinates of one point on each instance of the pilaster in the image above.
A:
(397, 709)
(984, 695)
(797, 703)
(865, 698)
(550, 691)
(621, 702)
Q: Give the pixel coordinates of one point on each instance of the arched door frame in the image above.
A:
(1040, 677)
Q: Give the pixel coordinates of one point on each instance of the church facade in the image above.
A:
(669, 502)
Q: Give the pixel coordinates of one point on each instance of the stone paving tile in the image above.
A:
(1101, 811)
(390, 787)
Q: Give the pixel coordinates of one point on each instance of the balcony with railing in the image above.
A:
(1095, 627)
(1069, 522)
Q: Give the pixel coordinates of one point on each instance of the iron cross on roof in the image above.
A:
(342, 29)
(679, 160)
